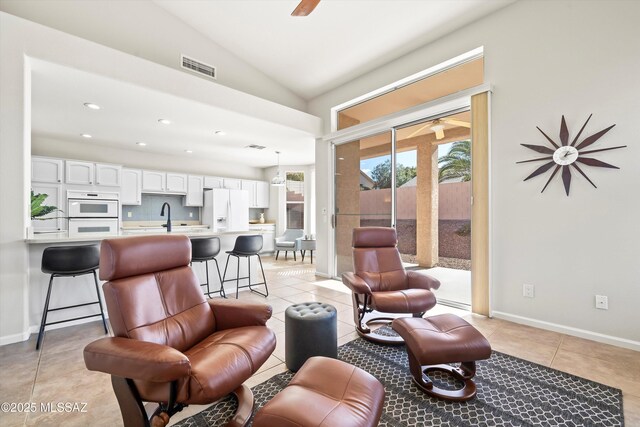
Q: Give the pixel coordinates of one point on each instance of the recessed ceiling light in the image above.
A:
(340, 158)
(92, 105)
(164, 121)
(188, 151)
(220, 132)
(142, 144)
(85, 135)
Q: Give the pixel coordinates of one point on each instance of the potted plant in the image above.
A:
(38, 210)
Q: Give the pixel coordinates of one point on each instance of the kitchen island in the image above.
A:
(70, 291)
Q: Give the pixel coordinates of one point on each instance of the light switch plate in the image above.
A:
(602, 302)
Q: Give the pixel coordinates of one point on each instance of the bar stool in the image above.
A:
(70, 261)
(205, 250)
(246, 247)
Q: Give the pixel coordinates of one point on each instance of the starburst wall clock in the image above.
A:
(567, 155)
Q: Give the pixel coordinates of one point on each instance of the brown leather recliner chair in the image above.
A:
(171, 345)
(381, 283)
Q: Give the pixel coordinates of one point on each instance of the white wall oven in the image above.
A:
(93, 212)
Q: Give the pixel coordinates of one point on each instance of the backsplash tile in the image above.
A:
(151, 206)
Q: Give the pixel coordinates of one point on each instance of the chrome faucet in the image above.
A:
(168, 215)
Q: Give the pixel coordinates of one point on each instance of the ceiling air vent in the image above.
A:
(198, 67)
(256, 147)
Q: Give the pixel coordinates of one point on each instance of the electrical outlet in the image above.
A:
(602, 302)
(528, 291)
(129, 214)
(190, 214)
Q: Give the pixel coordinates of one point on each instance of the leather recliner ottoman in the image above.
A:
(325, 393)
(434, 342)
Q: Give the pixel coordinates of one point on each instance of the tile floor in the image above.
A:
(57, 372)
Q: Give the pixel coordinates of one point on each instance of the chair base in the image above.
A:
(374, 336)
(464, 373)
(134, 413)
(360, 309)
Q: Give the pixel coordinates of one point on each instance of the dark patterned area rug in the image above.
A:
(511, 392)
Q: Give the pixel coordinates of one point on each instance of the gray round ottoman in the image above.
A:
(310, 330)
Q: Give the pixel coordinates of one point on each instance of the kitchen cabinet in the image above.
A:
(213, 182)
(262, 194)
(232, 184)
(81, 173)
(176, 182)
(250, 187)
(131, 190)
(110, 175)
(54, 198)
(258, 193)
(44, 169)
(195, 188)
(268, 233)
(153, 181)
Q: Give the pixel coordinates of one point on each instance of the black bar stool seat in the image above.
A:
(246, 247)
(205, 250)
(70, 261)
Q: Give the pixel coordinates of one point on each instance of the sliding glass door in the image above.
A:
(363, 187)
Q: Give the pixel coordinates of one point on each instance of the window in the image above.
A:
(444, 79)
(295, 200)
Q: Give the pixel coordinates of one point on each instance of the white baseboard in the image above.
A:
(12, 339)
(326, 276)
(568, 330)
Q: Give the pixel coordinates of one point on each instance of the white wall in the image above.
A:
(140, 159)
(144, 29)
(545, 59)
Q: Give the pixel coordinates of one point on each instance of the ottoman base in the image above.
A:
(464, 373)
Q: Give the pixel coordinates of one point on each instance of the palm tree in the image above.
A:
(457, 163)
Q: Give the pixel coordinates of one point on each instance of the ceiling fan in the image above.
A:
(437, 126)
(305, 7)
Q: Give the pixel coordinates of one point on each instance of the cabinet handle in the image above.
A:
(58, 180)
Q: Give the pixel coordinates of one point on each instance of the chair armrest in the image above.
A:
(231, 314)
(138, 360)
(420, 280)
(279, 239)
(355, 283)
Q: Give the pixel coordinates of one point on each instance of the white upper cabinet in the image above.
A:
(258, 193)
(232, 184)
(176, 182)
(79, 172)
(262, 194)
(194, 195)
(44, 169)
(153, 181)
(131, 190)
(250, 186)
(110, 175)
(213, 182)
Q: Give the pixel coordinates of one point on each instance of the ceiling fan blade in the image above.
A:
(457, 123)
(440, 134)
(566, 178)
(419, 130)
(305, 7)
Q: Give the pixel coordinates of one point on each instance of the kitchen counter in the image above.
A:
(63, 237)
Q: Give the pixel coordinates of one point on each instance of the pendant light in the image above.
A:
(278, 181)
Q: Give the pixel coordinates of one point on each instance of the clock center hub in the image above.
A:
(565, 155)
